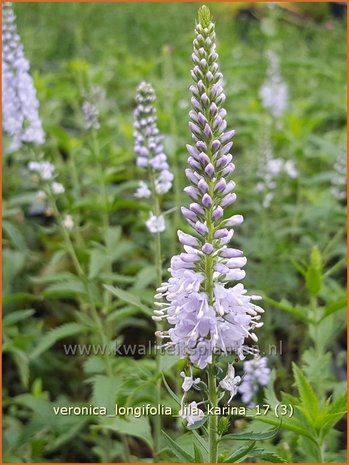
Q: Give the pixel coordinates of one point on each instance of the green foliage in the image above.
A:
(252, 436)
(313, 276)
(49, 339)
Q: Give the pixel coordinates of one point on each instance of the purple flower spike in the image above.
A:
(201, 146)
(204, 159)
(206, 201)
(148, 144)
(193, 151)
(196, 208)
(220, 185)
(191, 176)
(231, 253)
(192, 192)
(207, 248)
(205, 314)
(202, 185)
(220, 233)
(20, 105)
(188, 214)
(234, 220)
(201, 228)
(187, 239)
(217, 213)
(209, 170)
(228, 200)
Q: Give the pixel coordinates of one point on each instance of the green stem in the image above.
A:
(212, 387)
(81, 273)
(158, 268)
(106, 335)
(66, 236)
(105, 210)
(74, 176)
(170, 106)
(213, 419)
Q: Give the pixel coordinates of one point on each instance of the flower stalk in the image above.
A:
(20, 105)
(149, 150)
(207, 316)
(213, 419)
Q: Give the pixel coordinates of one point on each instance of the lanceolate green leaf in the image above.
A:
(335, 412)
(240, 453)
(252, 436)
(334, 307)
(296, 312)
(309, 400)
(170, 391)
(138, 427)
(268, 456)
(129, 298)
(288, 424)
(177, 450)
(50, 338)
(198, 457)
(16, 317)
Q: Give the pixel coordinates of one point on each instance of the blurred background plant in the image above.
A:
(86, 61)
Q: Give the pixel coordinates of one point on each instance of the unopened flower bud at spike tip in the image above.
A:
(204, 16)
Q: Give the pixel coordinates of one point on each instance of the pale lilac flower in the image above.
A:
(207, 310)
(41, 196)
(156, 224)
(290, 169)
(46, 172)
(191, 413)
(143, 191)
(231, 382)
(339, 177)
(256, 374)
(57, 188)
(68, 222)
(44, 169)
(189, 381)
(96, 94)
(91, 115)
(274, 91)
(20, 116)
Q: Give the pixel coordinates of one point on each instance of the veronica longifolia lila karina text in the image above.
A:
(149, 150)
(20, 116)
(208, 311)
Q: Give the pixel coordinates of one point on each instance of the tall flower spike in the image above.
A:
(339, 176)
(149, 150)
(206, 315)
(256, 374)
(20, 105)
(274, 91)
(91, 115)
(94, 97)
